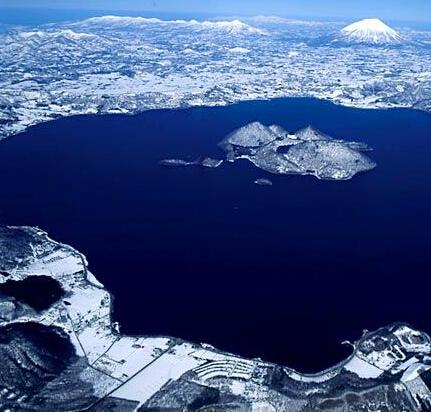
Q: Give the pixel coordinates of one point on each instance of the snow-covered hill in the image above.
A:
(369, 31)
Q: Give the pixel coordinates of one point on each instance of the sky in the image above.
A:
(401, 10)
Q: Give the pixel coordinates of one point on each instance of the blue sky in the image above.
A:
(407, 10)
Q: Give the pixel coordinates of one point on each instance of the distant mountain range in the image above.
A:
(228, 26)
(118, 64)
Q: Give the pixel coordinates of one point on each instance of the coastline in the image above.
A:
(96, 338)
(203, 105)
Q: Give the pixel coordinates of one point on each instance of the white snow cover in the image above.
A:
(196, 66)
(167, 367)
(67, 33)
(363, 369)
(239, 50)
(283, 20)
(370, 31)
(230, 26)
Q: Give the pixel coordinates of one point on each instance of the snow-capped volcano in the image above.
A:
(369, 31)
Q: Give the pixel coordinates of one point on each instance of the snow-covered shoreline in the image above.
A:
(130, 65)
(136, 369)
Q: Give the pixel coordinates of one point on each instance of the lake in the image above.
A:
(285, 273)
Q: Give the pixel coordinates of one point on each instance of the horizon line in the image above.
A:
(142, 13)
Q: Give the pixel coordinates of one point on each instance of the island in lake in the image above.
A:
(274, 150)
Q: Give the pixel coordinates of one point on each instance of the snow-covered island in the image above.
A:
(64, 353)
(276, 151)
(263, 182)
(205, 162)
(306, 152)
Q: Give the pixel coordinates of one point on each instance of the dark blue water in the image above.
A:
(284, 272)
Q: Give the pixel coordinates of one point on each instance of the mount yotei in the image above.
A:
(369, 31)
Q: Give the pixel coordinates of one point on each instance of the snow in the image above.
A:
(230, 26)
(125, 20)
(406, 335)
(319, 378)
(238, 387)
(226, 368)
(28, 34)
(56, 265)
(262, 407)
(67, 33)
(239, 50)
(413, 371)
(169, 366)
(179, 63)
(95, 341)
(93, 280)
(363, 369)
(128, 355)
(370, 31)
(284, 20)
(102, 383)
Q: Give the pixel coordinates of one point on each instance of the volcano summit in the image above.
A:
(369, 31)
